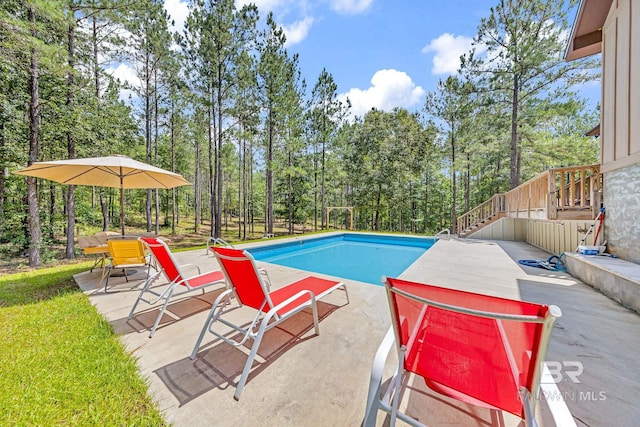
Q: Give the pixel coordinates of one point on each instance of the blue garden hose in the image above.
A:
(553, 263)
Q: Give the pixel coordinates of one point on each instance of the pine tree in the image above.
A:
(523, 71)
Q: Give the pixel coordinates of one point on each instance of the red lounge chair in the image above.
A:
(212, 242)
(252, 290)
(478, 349)
(175, 276)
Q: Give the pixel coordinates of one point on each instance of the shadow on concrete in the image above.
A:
(218, 364)
(431, 408)
(179, 309)
(597, 339)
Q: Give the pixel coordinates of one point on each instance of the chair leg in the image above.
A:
(371, 411)
(252, 355)
(144, 289)
(397, 384)
(220, 302)
(107, 282)
(375, 382)
(95, 264)
(314, 310)
(529, 419)
(164, 307)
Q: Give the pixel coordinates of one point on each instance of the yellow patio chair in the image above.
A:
(125, 254)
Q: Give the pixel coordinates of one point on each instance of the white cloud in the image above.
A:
(178, 11)
(264, 6)
(350, 6)
(389, 89)
(298, 31)
(125, 73)
(448, 49)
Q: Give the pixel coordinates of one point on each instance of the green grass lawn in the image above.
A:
(61, 363)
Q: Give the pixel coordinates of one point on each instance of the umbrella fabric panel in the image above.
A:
(112, 171)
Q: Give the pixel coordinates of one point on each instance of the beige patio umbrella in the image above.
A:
(111, 171)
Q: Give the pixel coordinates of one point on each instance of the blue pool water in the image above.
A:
(361, 257)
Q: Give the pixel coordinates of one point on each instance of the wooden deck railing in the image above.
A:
(576, 189)
(560, 193)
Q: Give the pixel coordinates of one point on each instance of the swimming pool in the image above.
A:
(362, 257)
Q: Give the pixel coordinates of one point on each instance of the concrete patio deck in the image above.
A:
(302, 379)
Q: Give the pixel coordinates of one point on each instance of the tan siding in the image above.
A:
(621, 86)
(634, 90)
(553, 236)
(608, 83)
(622, 82)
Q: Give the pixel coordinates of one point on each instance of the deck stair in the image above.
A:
(570, 193)
(552, 212)
(481, 216)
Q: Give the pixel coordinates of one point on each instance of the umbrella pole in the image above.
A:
(121, 203)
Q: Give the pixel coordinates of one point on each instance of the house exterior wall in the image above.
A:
(555, 237)
(622, 216)
(503, 229)
(620, 128)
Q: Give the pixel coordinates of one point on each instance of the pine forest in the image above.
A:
(224, 103)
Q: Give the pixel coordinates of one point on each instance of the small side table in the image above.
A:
(101, 252)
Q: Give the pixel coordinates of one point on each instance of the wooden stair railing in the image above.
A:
(481, 214)
(556, 194)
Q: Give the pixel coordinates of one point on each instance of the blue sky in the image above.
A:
(381, 53)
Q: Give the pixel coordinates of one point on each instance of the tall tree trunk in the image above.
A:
(376, 224)
(246, 169)
(426, 203)
(268, 219)
(315, 188)
(173, 168)
(52, 211)
(105, 210)
(147, 131)
(35, 238)
(96, 79)
(177, 198)
(3, 172)
(322, 184)
(290, 191)
(454, 185)
(513, 144)
(71, 147)
(467, 184)
(240, 178)
(252, 202)
(197, 187)
(155, 147)
(219, 180)
(212, 169)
